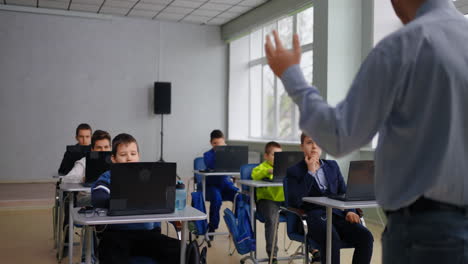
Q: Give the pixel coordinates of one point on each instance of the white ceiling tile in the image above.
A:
(22, 2)
(53, 4)
(229, 2)
(252, 2)
(196, 19)
(170, 16)
(121, 4)
(142, 13)
(84, 8)
(206, 12)
(213, 6)
(178, 10)
(240, 9)
(113, 10)
(150, 7)
(230, 15)
(161, 2)
(88, 2)
(185, 3)
(218, 21)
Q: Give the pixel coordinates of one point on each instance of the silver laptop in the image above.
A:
(360, 186)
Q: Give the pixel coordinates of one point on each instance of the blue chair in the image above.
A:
(246, 174)
(198, 164)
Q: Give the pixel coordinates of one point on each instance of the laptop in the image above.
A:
(360, 186)
(77, 152)
(142, 188)
(230, 158)
(284, 160)
(97, 162)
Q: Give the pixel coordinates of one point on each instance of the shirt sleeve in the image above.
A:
(100, 193)
(354, 121)
(77, 173)
(261, 172)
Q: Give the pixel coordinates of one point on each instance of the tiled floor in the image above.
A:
(27, 236)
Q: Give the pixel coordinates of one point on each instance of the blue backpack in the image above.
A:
(201, 226)
(239, 225)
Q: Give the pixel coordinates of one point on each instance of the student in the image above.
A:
(120, 242)
(269, 199)
(317, 177)
(218, 188)
(83, 138)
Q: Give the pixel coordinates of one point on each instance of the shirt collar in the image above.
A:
(432, 5)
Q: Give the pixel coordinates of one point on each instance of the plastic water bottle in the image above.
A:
(180, 195)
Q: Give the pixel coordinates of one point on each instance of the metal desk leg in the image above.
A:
(59, 221)
(203, 180)
(183, 244)
(70, 230)
(329, 234)
(89, 245)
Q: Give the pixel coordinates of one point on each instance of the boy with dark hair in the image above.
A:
(218, 188)
(100, 141)
(122, 241)
(318, 177)
(83, 137)
(269, 199)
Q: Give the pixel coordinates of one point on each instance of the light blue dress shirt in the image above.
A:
(413, 90)
(320, 178)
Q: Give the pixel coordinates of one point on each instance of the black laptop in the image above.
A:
(360, 186)
(97, 162)
(77, 152)
(284, 160)
(230, 158)
(142, 188)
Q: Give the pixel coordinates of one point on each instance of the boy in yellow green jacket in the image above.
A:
(269, 199)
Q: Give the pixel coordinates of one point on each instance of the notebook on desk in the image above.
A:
(97, 162)
(230, 158)
(360, 186)
(284, 160)
(142, 188)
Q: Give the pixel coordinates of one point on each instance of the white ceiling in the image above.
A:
(211, 12)
(462, 5)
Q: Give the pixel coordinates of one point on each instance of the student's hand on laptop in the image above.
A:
(270, 171)
(353, 218)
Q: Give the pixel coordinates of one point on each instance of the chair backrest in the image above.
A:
(246, 174)
(198, 164)
(293, 223)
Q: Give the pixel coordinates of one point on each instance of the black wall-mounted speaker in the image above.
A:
(162, 98)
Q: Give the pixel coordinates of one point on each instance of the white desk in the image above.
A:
(71, 188)
(332, 203)
(256, 184)
(188, 214)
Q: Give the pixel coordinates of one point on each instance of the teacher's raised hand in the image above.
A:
(280, 58)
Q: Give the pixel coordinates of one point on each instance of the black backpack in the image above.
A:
(193, 254)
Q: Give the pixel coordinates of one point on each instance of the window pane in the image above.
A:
(256, 44)
(307, 66)
(268, 103)
(267, 31)
(256, 101)
(305, 26)
(286, 108)
(285, 31)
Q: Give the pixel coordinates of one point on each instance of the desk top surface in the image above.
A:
(187, 214)
(217, 173)
(74, 187)
(325, 201)
(254, 183)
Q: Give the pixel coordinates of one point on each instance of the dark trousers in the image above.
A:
(268, 209)
(216, 194)
(355, 235)
(118, 246)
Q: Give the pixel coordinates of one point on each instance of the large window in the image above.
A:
(271, 113)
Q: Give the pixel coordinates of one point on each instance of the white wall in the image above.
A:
(385, 20)
(56, 72)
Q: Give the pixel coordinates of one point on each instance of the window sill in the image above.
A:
(263, 141)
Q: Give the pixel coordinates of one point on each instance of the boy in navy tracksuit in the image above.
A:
(316, 177)
(218, 188)
(120, 242)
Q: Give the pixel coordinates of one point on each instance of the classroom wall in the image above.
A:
(57, 71)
